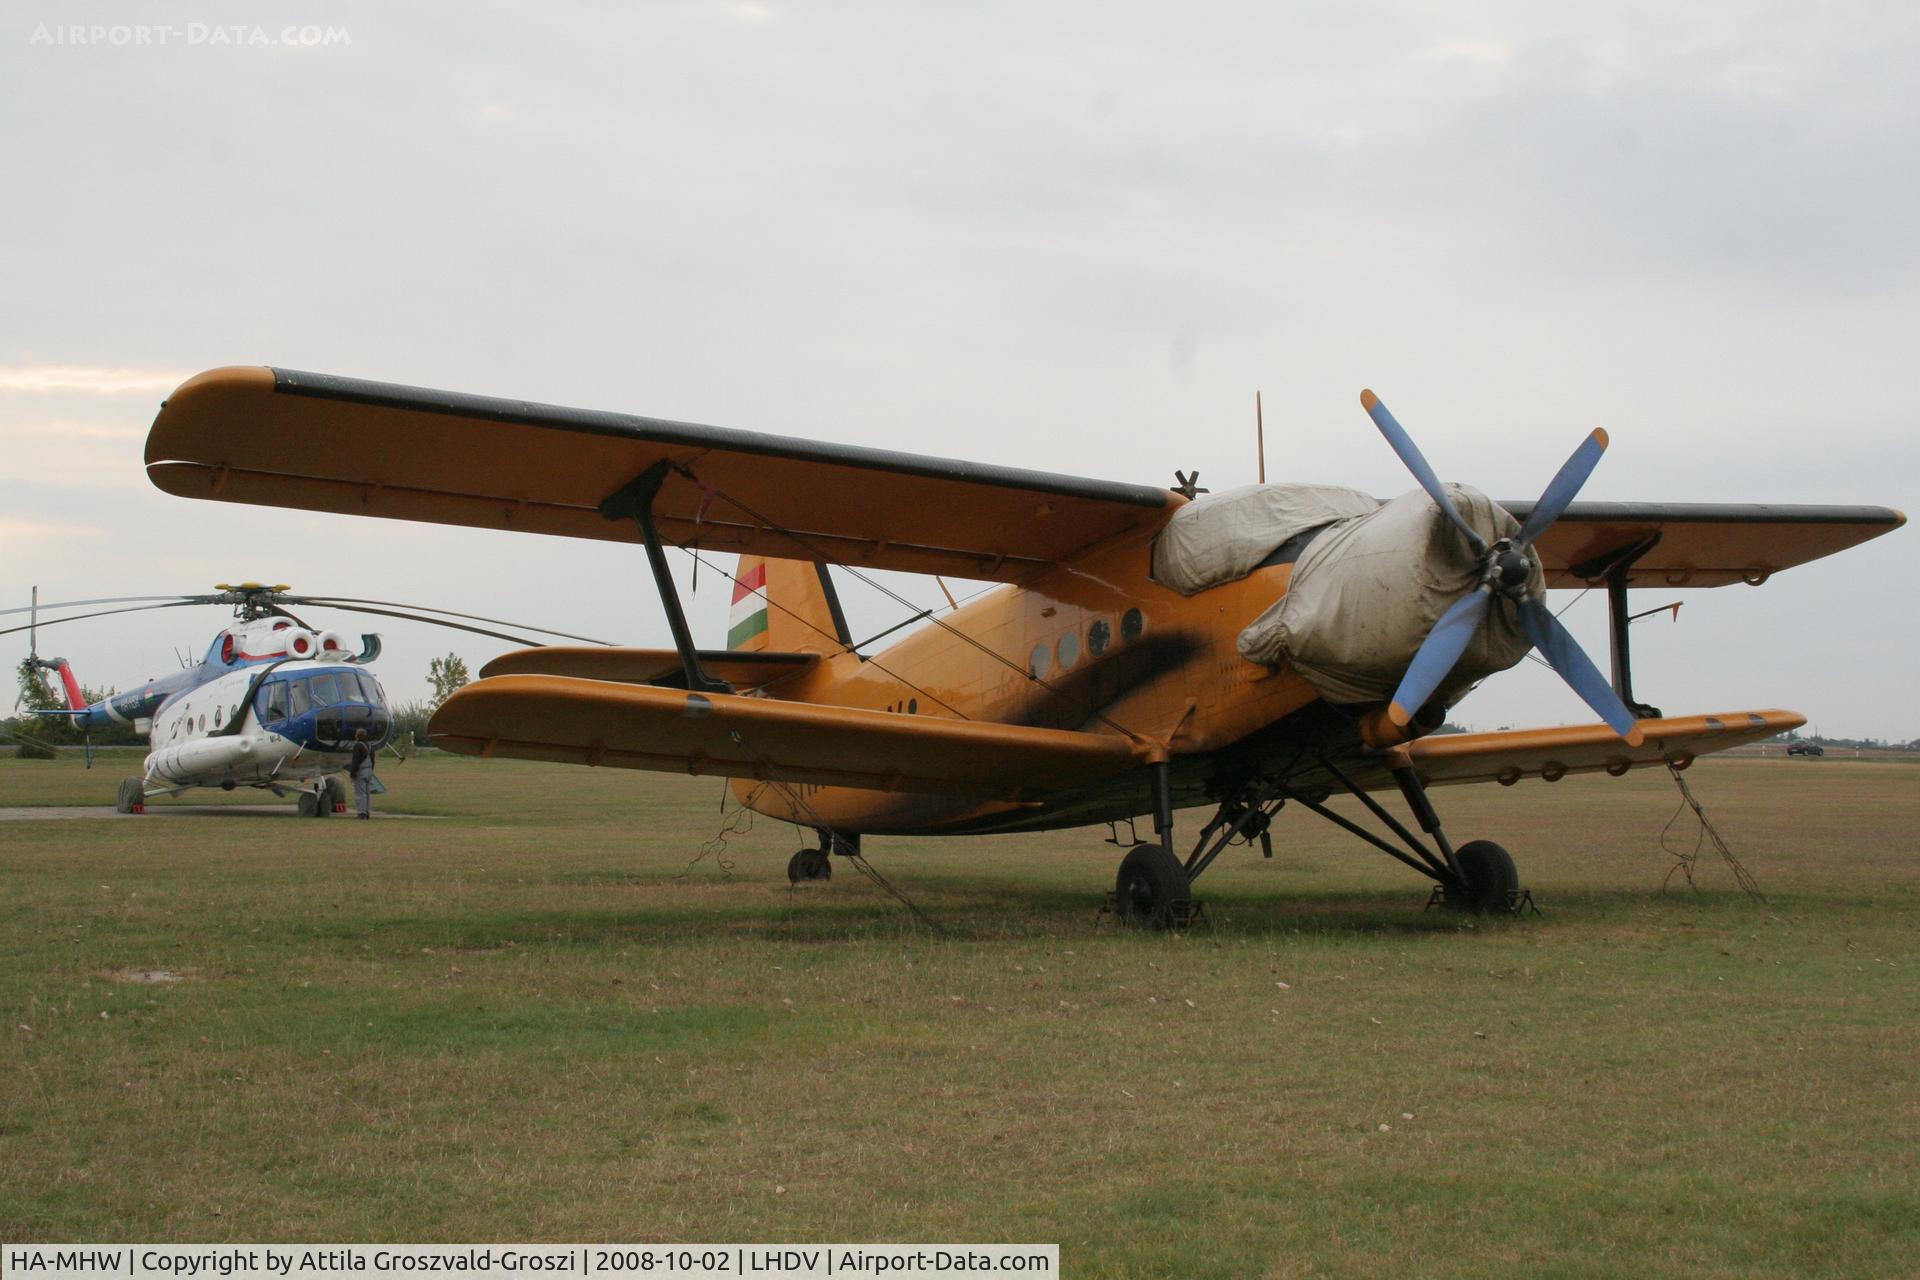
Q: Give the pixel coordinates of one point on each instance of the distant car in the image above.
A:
(1805, 749)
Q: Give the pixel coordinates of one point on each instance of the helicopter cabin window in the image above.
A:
(1042, 659)
(1099, 637)
(216, 717)
(1223, 537)
(326, 690)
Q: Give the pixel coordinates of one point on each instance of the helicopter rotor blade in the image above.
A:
(78, 604)
(441, 622)
(104, 613)
(341, 601)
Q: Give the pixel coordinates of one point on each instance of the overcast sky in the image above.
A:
(1068, 237)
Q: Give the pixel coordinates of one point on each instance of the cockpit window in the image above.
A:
(298, 699)
(275, 706)
(326, 690)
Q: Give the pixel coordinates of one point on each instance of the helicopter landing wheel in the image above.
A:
(312, 804)
(809, 864)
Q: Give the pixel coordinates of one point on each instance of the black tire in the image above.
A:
(1491, 878)
(1151, 880)
(336, 795)
(307, 805)
(809, 864)
(133, 792)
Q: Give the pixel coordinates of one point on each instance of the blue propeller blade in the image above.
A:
(1438, 652)
(1410, 454)
(1562, 489)
(1566, 657)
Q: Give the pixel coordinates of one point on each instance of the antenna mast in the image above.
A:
(1260, 435)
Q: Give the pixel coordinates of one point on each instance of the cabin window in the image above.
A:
(1069, 649)
(1099, 637)
(216, 717)
(1041, 660)
(913, 706)
(203, 722)
(1132, 624)
(326, 690)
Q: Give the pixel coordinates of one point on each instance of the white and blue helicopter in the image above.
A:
(275, 704)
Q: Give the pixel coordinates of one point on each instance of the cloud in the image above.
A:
(105, 382)
(21, 529)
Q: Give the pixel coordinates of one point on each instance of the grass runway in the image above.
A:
(548, 1017)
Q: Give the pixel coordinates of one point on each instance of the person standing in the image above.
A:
(361, 771)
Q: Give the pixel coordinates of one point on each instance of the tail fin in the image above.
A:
(785, 606)
(76, 699)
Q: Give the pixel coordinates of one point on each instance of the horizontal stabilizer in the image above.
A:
(647, 666)
(1513, 754)
(630, 726)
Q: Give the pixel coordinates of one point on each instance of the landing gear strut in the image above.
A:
(1155, 888)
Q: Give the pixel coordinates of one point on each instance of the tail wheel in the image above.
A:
(1490, 878)
(1151, 880)
(133, 794)
(809, 864)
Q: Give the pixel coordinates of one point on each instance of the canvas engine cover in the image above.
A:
(1366, 591)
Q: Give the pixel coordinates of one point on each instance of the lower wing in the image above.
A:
(597, 722)
(1513, 754)
(741, 669)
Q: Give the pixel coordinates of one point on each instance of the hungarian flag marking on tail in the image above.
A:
(749, 615)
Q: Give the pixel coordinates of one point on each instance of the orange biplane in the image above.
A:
(1151, 649)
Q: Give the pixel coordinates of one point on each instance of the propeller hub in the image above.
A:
(1510, 569)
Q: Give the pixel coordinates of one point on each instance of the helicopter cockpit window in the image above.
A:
(298, 699)
(273, 702)
(326, 690)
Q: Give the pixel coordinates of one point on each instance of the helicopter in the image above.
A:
(274, 703)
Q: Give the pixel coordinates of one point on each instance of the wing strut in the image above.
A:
(635, 501)
(1615, 568)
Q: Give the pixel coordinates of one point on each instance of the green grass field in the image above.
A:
(546, 1016)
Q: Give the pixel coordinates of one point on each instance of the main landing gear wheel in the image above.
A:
(809, 864)
(312, 804)
(1151, 880)
(133, 793)
(1489, 875)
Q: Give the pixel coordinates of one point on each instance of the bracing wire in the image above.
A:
(1024, 671)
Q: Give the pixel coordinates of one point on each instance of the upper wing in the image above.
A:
(1511, 755)
(287, 439)
(742, 670)
(638, 727)
(1697, 544)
